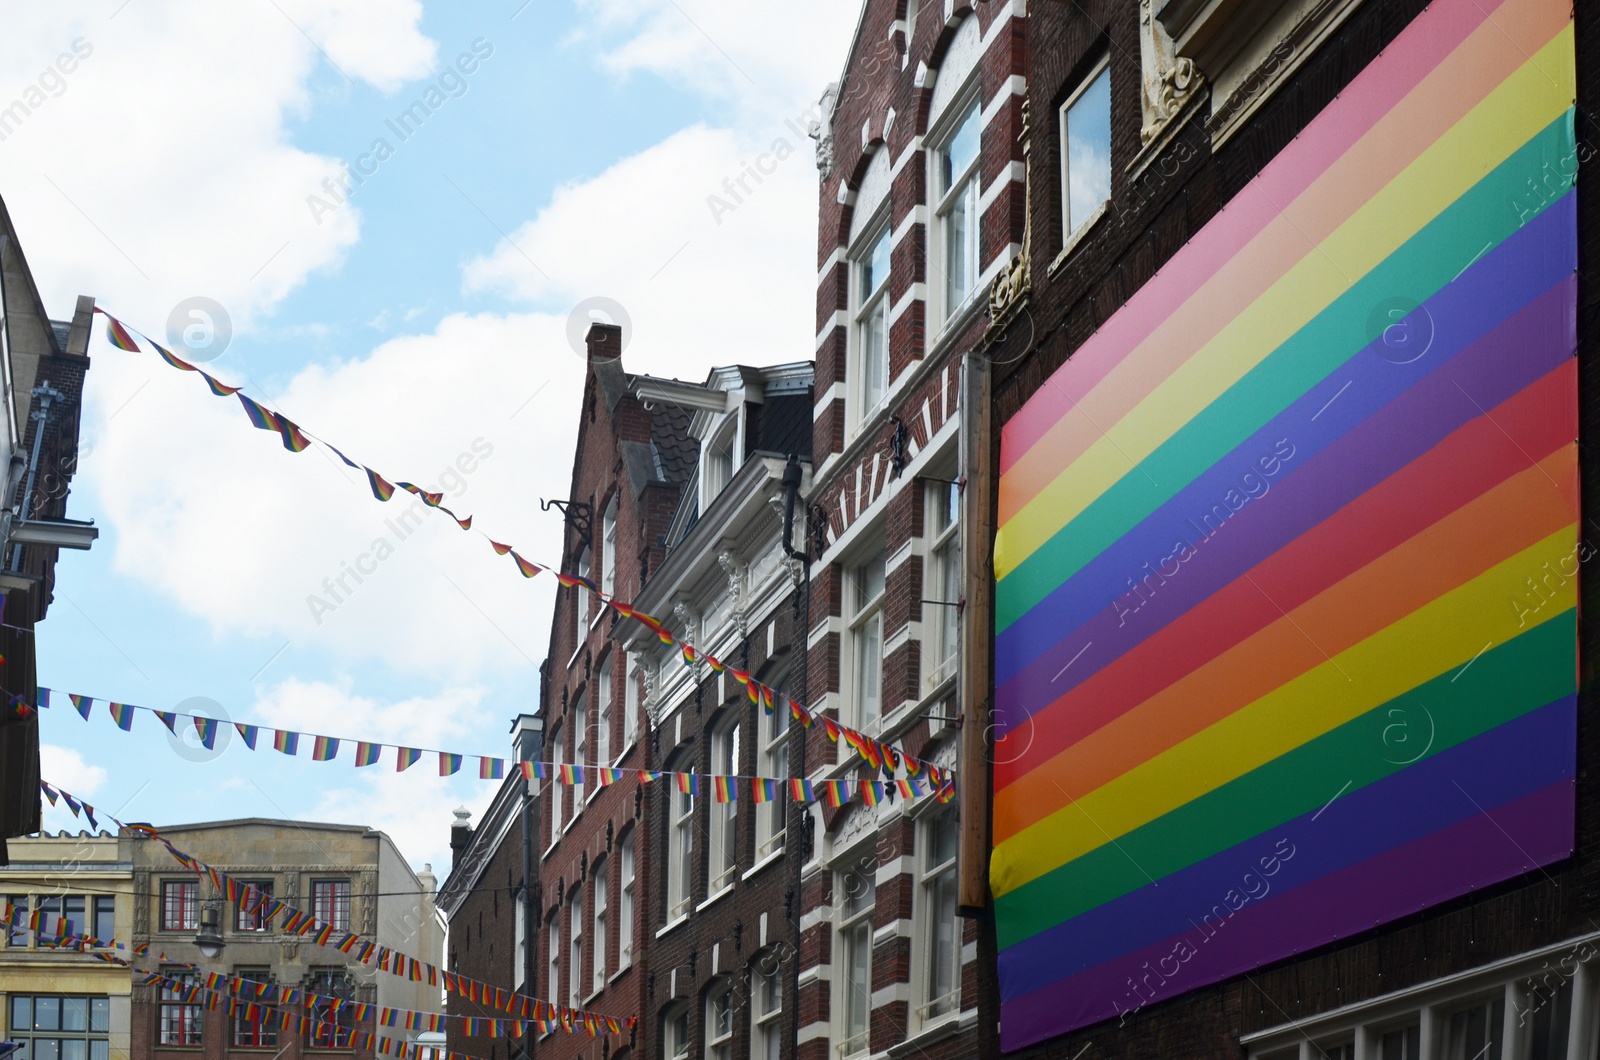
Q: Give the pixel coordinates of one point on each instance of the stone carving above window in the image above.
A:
(1168, 81)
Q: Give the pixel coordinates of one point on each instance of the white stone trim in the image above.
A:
(890, 994)
(1015, 173)
(838, 319)
(1015, 85)
(835, 392)
(812, 1031)
(834, 257)
(918, 215)
(917, 292)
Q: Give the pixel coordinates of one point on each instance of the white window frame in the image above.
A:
(863, 306)
(553, 928)
(680, 850)
(723, 840)
(941, 584)
(598, 916)
(853, 931)
(865, 617)
(765, 969)
(965, 189)
(1070, 234)
(580, 745)
(575, 947)
(608, 549)
(675, 1032)
(715, 473)
(934, 1008)
(602, 711)
(553, 786)
(630, 704)
(625, 890)
(519, 974)
(580, 603)
(772, 760)
(719, 1041)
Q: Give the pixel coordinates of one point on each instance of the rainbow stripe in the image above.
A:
(217, 387)
(491, 768)
(724, 789)
(248, 733)
(405, 758)
(449, 763)
(206, 729)
(122, 714)
(528, 570)
(763, 790)
(367, 753)
(82, 704)
(1267, 544)
(286, 741)
(381, 487)
(325, 749)
(118, 335)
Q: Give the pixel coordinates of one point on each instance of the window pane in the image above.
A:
(47, 1013)
(1549, 1022)
(100, 1014)
(99, 1049)
(875, 266)
(74, 1013)
(961, 149)
(1474, 1033)
(1403, 1044)
(960, 224)
(21, 1013)
(46, 1049)
(1088, 151)
(105, 918)
(74, 1049)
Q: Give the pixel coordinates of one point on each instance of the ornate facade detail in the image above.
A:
(652, 691)
(821, 131)
(1167, 82)
(1011, 287)
(735, 573)
(141, 903)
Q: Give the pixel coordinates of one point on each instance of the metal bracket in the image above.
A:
(897, 447)
(579, 515)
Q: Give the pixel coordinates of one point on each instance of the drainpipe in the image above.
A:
(41, 417)
(792, 476)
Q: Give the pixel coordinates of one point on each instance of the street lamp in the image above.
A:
(209, 940)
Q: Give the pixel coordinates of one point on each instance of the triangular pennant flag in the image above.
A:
(491, 768)
(248, 733)
(169, 719)
(217, 387)
(118, 335)
(286, 741)
(325, 749)
(406, 758)
(498, 547)
(122, 714)
(381, 487)
(82, 703)
(367, 753)
(528, 570)
(207, 730)
(449, 763)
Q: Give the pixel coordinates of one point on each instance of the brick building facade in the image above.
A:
(921, 207)
(1508, 966)
(630, 465)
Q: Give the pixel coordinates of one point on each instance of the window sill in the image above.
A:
(776, 855)
(1077, 238)
(948, 1026)
(620, 972)
(669, 925)
(724, 891)
(596, 992)
(627, 750)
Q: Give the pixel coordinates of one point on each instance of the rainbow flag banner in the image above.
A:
(1286, 563)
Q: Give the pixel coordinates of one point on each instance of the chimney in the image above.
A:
(460, 836)
(604, 342)
(527, 737)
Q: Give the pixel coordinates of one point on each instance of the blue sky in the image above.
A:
(421, 325)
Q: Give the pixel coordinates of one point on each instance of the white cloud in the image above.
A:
(64, 767)
(438, 721)
(158, 168)
(257, 540)
(413, 808)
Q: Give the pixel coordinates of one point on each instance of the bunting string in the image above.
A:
(298, 922)
(720, 787)
(880, 755)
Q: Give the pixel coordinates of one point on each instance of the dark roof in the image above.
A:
(676, 453)
(781, 425)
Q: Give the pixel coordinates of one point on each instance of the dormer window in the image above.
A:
(717, 462)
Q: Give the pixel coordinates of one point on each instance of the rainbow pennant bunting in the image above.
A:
(323, 933)
(491, 768)
(1225, 638)
(570, 774)
(206, 729)
(82, 704)
(498, 547)
(381, 487)
(118, 335)
(217, 387)
(122, 714)
(169, 719)
(836, 792)
(763, 790)
(405, 758)
(449, 763)
(872, 792)
(286, 741)
(527, 569)
(724, 789)
(324, 749)
(801, 790)
(248, 733)
(367, 753)
(688, 783)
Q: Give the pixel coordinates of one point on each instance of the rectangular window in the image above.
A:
(330, 903)
(600, 911)
(553, 955)
(608, 549)
(872, 325)
(1086, 151)
(180, 905)
(1474, 1032)
(676, 1036)
(942, 585)
(330, 1029)
(625, 906)
(17, 933)
(580, 603)
(575, 966)
(724, 815)
(680, 856)
(59, 1027)
(719, 1025)
(956, 173)
(105, 919)
(602, 712)
(630, 703)
(766, 1014)
(555, 791)
(580, 745)
(717, 466)
(1545, 1029)
(941, 956)
(856, 892)
(179, 1020)
(258, 1030)
(774, 762)
(866, 639)
(252, 914)
(519, 973)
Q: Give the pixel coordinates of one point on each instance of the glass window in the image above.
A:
(553, 955)
(105, 919)
(716, 469)
(179, 1020)
(602, 712)
(1473, 1032)
(872, 325)
(766, 1011)
(17, 931)
(675, 1040)
(555, 791)
(330, 1029)
(680, 856)
(330, 902)
(630, 704)
(1086, 151)
(257, 1029)
(941, 972)
(519, 970)
(625, 905)
(580, 744)
(252, 912)
(600, 867)
(956, 175)
(942, 584)
(59, 1027)
(856, 893)
(866, 639)
(580, 603)
(719, 1024)
(774, 762)
(608, 549)
(1402, 1044)
(180, 903)
(724, 815)
(575, 978)
(1545, 1027)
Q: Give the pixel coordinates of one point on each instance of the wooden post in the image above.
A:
(974, 778)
